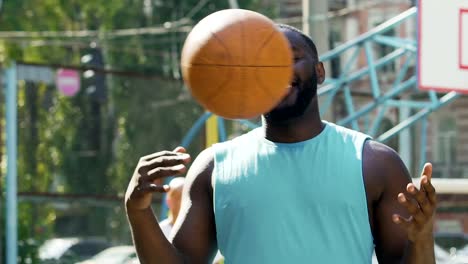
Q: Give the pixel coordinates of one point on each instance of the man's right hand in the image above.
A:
(149, 171)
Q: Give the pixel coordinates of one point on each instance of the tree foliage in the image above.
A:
(89, 144)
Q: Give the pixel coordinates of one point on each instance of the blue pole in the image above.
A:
(407, 103)
(11, 177)
(395, 42)
(195, 129)
(350, 107)
(378, 119)
(372, 70)
(221, 129)
(403, 70)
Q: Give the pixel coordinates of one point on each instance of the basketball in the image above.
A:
(237, 64)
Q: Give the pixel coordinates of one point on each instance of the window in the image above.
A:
(446, 141)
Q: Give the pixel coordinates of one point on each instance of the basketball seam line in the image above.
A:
(265, 43)
(218, 90)
(228, 75)
(241, 106)
(264, 87)
(222, 44)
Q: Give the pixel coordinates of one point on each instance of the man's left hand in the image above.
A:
(421, 204)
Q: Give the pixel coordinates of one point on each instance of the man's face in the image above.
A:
(303, 87)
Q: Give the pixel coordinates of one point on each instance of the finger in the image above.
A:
(164, 161)
(151, 187)
(427, 186)
(180, 149)
(157, 154)
(422, 202)
(427, 171)
(418, 195)
(412, 208)
(400, 220)
(161, 154)
(161, 172)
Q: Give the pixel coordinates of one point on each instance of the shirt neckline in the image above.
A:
(259, 133)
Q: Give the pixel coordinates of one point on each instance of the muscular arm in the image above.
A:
(389, 177)
(195, 230)
(195, 239)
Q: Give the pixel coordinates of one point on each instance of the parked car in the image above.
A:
(441, 255)
(113, 255)
(70, 249)
(451, 240)
(463, 251)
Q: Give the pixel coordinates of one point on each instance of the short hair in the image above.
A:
(307, 39)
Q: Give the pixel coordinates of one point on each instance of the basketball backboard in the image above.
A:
(443, 45)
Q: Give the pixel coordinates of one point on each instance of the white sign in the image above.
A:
(463, 39)
(443, 45)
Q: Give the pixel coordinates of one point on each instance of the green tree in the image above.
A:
(87, 144)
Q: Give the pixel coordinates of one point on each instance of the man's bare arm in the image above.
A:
(402, 229)
(151, 244)
(195, 229)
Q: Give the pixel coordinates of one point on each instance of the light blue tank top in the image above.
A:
(292, 203)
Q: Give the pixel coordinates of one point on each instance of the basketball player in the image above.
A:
(296, 190)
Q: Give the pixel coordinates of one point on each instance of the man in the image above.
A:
(173, 200)
(296, 190)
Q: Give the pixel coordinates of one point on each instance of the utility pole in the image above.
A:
(11, 199)
(315, 23)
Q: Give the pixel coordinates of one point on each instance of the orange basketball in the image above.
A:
(237, 64)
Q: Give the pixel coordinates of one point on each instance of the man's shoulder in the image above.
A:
(344, 131)
(380, 154)
(382, 164)
(201, 169)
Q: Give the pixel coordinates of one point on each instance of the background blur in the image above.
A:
(77, 153)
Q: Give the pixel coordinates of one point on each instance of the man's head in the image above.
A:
(174, 195)
(308, 73)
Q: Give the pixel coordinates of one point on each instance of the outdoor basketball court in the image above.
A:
(442, 55)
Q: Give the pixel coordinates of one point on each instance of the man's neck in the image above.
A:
(303, 128)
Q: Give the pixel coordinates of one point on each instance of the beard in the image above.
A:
(307, 90)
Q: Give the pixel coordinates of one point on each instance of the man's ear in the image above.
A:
(320, 71)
